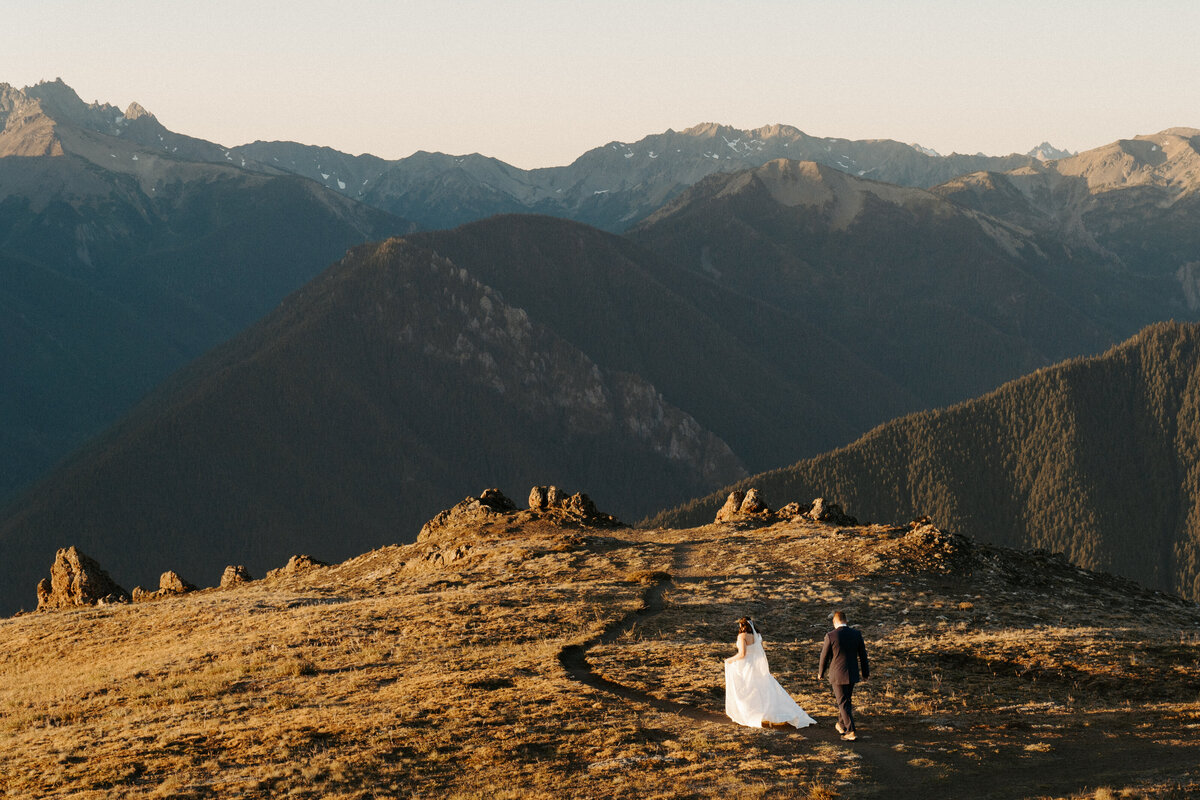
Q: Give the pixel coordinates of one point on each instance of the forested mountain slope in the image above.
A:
(344, 420)
(125, 252)
(1098, 458)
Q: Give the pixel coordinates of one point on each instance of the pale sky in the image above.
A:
(538, 82)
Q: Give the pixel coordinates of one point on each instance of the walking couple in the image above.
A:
(753, 697)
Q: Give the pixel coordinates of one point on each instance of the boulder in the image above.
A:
(829, 513)
(753, 503)
(171, 583)
(76, 580)
(296, 564)
(733, 505)
(232, 576)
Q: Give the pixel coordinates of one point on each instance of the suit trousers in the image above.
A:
(843, 694)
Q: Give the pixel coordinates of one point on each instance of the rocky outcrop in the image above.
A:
(171, 583)
(743, 505)
(925, 546)
(492, 506)
(750, 506)
(76, 580)
(829, 513)
(234, 575)
(472, 510)
(552, 501)
(295, 565)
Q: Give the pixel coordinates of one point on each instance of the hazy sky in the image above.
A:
(536, 83)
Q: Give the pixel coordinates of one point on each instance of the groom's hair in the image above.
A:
(839, 616)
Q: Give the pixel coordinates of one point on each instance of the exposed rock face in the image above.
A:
(171, 583)
(749, 505)
(76, 580)
(295, 564)
(234, 575)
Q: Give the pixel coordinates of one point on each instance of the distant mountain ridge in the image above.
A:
(611, 187)
(1134, 202)
(1098, 458)
(126, 251)
(943, 300)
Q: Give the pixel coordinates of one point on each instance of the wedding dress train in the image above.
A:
(754, 697)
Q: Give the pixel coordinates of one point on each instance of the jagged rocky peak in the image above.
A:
(136, 111)
(710, 130)
(77, 580)
(56, 95)
(59, 102)
(1048, 152)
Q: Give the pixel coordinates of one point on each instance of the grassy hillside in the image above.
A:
(1098, 458)
(519, 658)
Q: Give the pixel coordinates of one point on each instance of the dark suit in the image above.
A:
(842, 653)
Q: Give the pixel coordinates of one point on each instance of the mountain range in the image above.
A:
(613, 186)
(1097, 458)
(759, 310)
(124, 257)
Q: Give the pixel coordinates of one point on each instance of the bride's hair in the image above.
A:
(744, 625)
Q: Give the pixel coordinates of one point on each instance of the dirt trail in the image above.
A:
(886, 766)
(1078, 764)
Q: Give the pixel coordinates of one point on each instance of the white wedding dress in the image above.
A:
(753, 696)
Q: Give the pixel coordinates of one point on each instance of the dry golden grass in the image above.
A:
(398, 674)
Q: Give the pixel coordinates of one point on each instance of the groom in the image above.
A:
(842, 652)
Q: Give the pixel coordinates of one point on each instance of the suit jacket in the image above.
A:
(842, 653)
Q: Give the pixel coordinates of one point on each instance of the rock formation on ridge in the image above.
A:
(77, 580)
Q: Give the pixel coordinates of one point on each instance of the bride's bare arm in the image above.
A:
(741, 643)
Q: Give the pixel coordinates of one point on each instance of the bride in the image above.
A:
(752, 696)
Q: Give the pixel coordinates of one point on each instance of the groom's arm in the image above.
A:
(825, 655)
(862, 658)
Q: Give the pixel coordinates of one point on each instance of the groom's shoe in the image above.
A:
(837, 726)
(849, 737)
